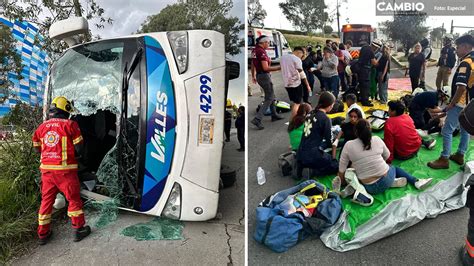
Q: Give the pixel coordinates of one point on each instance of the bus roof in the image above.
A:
(357, 27)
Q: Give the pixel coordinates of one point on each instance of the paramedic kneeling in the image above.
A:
(368, 154)
(59, 140)
(317, 130)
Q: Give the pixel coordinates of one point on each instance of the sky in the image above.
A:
(356, 11)
(129, 15)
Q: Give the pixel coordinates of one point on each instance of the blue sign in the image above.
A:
(160, 126)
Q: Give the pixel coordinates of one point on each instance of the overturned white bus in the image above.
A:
(151, 112)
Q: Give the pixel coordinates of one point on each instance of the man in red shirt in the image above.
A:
(260, 69)
(59, 140)
(400, 135)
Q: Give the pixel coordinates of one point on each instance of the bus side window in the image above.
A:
(284, 42)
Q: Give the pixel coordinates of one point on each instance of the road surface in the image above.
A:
(216, 242)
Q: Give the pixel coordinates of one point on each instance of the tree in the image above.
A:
(11, 62)
(327, 29)
(256, 14)
(306, 15)
(408, 36)
(437, 34)
(43, 13)
(198, 14)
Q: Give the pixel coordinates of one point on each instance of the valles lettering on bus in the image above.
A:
(158, 139)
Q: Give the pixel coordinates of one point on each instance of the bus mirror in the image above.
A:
(69, 29)
(233, 69)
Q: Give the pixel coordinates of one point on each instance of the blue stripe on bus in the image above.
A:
(160, 140)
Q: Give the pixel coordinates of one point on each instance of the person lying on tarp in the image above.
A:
(317, 129)
(425, 109)
(347, 129)
(296, 125)
(368, 155)
(400, 135)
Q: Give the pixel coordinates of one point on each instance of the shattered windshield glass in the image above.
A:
(91, 76)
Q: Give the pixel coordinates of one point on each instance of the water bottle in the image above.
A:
(260, 176)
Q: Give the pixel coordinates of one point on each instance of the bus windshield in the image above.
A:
(357, 37)
(91, 76)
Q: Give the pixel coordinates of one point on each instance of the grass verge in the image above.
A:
(301, 40)
(19, 190)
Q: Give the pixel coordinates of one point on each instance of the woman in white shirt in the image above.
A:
(368, 155)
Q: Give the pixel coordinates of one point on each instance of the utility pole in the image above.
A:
(338, 26)
(452, 28)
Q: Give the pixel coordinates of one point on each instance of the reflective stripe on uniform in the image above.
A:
(36, 144)
(58, 167)
(44, 216)
(64, 151)
(469, 248)
(75, 213)
(77, 140)
(44, 219)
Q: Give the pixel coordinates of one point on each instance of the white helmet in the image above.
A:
(376, 43)
(349, 70)
(417, 91)
(446, 91)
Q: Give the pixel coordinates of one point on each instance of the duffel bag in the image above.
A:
(280, 230)
(287, 163)
(277, 231)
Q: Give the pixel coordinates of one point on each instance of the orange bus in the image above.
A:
(357, 33)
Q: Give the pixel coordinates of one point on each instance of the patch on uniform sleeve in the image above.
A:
(462, 70)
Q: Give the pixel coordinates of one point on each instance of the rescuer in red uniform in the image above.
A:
(59, 140)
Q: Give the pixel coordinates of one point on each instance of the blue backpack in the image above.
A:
(280, 231)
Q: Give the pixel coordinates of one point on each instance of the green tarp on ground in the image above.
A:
(357, 215)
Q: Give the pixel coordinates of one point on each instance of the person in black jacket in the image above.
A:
(446, 62)
(227, 125)
(316, 132)
(240, 125)
(416, 67)
(308, 63)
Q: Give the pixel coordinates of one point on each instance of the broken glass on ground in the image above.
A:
(103, 212)
(156, 229)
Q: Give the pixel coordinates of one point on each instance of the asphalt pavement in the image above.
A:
(216, 242)
(430, 242)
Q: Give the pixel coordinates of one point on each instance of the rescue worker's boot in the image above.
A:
(81, 233)
(45, 240)
(440, 163)
(457, 158)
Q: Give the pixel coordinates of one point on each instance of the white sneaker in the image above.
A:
(399, 182)
(422, 133)
(423, 183)
(347, 191)
(430, 144)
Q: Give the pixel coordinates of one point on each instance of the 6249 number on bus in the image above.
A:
(205, 97)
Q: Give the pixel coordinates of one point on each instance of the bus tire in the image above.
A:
(228, 176)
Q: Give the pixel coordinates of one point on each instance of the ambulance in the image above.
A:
(278, 43)
(151, 111)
